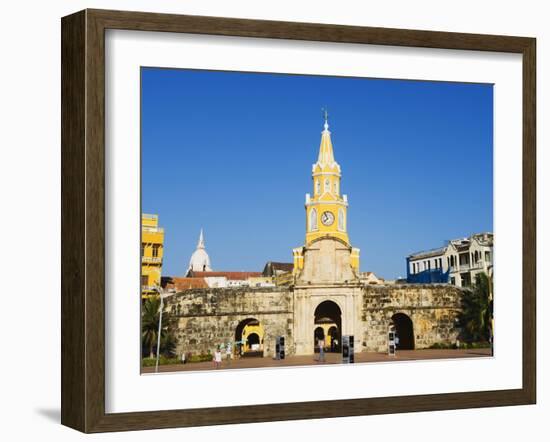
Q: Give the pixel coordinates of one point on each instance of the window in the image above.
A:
(317, 187)
(156, 250)
(487, 256)
(341, 221)
(327, 185)
(466, 279)
(142, 249)
(144, 280)
(453, 281)
(335, 187)
(313, 220)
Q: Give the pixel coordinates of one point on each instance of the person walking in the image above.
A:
(183, 361)
(228, 353)
(217, 358)
(321, 344)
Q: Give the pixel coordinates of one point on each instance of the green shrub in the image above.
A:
(442, 346)
(479, 345)
(203, 357)
(163, 360)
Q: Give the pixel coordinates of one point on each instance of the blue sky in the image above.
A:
(232, 152)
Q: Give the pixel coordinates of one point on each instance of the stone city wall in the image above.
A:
(433, 309)
(206, 318)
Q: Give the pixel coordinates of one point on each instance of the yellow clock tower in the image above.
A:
(326, 207)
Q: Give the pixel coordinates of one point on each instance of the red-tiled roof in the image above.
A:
(186, 283)
(229, 275)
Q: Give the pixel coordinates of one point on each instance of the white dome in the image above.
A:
(200, 261)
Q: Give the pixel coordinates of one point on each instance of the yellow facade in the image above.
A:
(326, 332)
(250, 329)
(152, 250)
(326, 207)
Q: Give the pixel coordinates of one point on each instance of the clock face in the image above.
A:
(327, 218)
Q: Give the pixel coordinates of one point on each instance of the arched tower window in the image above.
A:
(341, 220)
(317, 187)
(327, 185)
(313, 220)
(336, 187)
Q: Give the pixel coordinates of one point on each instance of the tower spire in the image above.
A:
(200, 244)
(326, 154)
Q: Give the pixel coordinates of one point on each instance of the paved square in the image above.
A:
(330, 358)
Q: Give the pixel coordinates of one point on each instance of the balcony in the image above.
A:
(149, 289)
(151, 260)
(152, 229)
(467, 267)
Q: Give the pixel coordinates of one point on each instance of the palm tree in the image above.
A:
(150, 324)
(475, 318)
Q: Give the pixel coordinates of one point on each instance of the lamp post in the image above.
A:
(159, 291)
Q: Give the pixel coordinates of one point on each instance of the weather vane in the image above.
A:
(325, 114)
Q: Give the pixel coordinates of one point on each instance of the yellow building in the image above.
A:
(326, 208)
(152, 249)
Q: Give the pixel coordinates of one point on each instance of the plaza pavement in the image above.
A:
(330, 358)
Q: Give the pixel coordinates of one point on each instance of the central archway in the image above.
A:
(327, 326)
(405, 332)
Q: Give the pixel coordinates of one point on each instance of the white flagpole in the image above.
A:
(159, 290)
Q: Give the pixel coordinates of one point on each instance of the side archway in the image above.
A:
(249, 337)
(405, 331)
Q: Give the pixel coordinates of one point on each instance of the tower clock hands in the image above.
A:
(327, 218)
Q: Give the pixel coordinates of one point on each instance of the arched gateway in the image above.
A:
(328, 326)
(249, 336)
(405, 332)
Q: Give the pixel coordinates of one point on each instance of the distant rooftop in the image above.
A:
(273, 268)
(428, 253)
(484, 238)
(229, 275)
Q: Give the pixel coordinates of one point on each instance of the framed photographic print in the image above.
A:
(270, 220)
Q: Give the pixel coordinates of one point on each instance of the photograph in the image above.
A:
(308, 220)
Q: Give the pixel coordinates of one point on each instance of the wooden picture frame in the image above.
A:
(83, 220)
